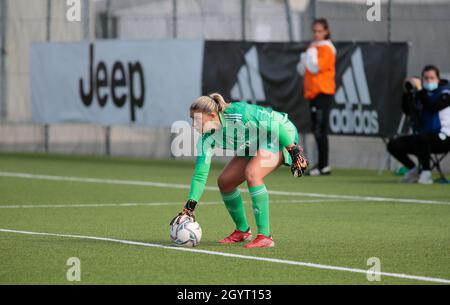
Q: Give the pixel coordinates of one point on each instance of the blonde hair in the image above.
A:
(213, 102)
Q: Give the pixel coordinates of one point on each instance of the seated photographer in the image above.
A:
(429, 111)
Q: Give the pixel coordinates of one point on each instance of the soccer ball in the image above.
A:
(187, 233)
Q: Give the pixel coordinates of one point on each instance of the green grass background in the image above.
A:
(408, 238)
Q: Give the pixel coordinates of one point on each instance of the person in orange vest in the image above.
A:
(317, 66)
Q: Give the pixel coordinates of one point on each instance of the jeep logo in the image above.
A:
(104, 83)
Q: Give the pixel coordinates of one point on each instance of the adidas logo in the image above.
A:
(249, 85)
(356, 115)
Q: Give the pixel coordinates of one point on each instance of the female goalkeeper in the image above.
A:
(262, 139)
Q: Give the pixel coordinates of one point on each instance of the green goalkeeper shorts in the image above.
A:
(292, 131)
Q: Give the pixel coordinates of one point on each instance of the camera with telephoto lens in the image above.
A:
(412, 84)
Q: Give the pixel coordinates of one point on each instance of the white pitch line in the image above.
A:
(248, 257)
(94, 205)
(137, 204)
(210, 188)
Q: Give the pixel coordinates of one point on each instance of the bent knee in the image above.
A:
(225, 185)
(389, 146)
(393, 146)
(251, 176)
(221, 182)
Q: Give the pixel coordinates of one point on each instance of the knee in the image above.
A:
(390, 145)
(423, 140)
(224, 184)
(393, 146)
(221, 183)
(251, 176)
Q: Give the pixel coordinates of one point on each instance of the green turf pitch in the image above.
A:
(409, 238)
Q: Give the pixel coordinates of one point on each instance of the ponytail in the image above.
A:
(220, 101)
(213, 102)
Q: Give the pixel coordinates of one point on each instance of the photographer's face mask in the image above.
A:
(430, 86)
(430, 80)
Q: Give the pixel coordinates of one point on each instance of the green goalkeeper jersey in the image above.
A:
(245, 128)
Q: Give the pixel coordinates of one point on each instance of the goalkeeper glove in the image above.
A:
(188, 210)
(299, 162)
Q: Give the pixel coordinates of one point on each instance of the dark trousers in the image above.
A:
(320, 112)
(420, 145)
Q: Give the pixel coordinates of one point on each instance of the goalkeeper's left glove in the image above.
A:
(188, 210)
(299, 162)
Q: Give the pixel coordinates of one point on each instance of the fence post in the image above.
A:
(287, 8)
(311, 13)
(313, 9)
(86, 20)
(3, 29)
(108, 20)
(46, 138)
(243, 14)
(48, 36)
(389, 21)
(174, 19)
(108, 140)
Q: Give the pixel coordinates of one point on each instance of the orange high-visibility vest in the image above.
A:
(322, 79)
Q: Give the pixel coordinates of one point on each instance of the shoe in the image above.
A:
(314, 172)
(261, 241)
(411, 176)
(425, 178)
(237, 237)
(320, 172)
(325, 171)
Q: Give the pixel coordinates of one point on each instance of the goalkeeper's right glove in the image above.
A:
(188, 210)
(299, 162)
